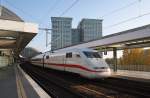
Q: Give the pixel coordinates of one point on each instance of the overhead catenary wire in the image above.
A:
(130, 19)
(25, 13)
(119, 9)
(71, 6)
(22, 11)
(51, 9)
(64, 12)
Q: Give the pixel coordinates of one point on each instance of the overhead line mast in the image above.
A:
(47, 32)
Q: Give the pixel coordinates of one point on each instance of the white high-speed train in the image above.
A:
(85, 62)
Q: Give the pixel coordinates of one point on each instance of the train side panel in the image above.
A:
(74, 61)
(77, 64)
(54, 62)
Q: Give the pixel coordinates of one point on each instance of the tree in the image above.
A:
(136, 56)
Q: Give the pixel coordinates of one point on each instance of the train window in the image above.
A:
(0, 53)
(47, 57)
(92, 54)
(69, 55)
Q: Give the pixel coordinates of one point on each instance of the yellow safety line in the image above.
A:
(20, 88)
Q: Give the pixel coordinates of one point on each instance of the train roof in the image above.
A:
(76, 49)
(64, 52)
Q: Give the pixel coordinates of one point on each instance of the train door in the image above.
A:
(64, 60)
(79, 62)
(73, 61)
(43, 60)
(68, 61)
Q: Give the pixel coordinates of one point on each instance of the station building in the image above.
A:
(15, 34)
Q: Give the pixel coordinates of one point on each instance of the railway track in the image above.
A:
(57, 87)
(52, 86)
(58, 83)
(135, 88)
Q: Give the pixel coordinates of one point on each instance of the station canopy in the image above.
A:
(134, 38)
(15, 34)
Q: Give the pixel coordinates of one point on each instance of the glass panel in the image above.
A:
(92, 54)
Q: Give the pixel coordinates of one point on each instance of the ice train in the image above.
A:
(85, 62)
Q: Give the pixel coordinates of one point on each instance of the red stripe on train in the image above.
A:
(71, 65)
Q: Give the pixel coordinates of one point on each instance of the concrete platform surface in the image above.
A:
(8, 87)
(133, 75)
(15, 83)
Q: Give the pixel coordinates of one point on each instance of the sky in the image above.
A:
(112, 12)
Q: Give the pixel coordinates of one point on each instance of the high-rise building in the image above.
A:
(76, 36)
(61, 32)
(90, 29)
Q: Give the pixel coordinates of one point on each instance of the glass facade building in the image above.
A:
(90, 29)
(76, 36)
(61, 32)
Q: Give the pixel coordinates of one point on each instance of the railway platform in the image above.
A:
(132, 75)
(15, 83)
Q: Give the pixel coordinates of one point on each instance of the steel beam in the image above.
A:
(115, 59)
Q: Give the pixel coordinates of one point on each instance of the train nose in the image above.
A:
(102, 69)
(103, 74)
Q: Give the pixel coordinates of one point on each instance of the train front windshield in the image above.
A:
(91, 54)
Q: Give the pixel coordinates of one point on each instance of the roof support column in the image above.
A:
(115, 58)
(18, 44)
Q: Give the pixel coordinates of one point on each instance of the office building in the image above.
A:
(61, 32)
(90, 29)
(76, 36)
